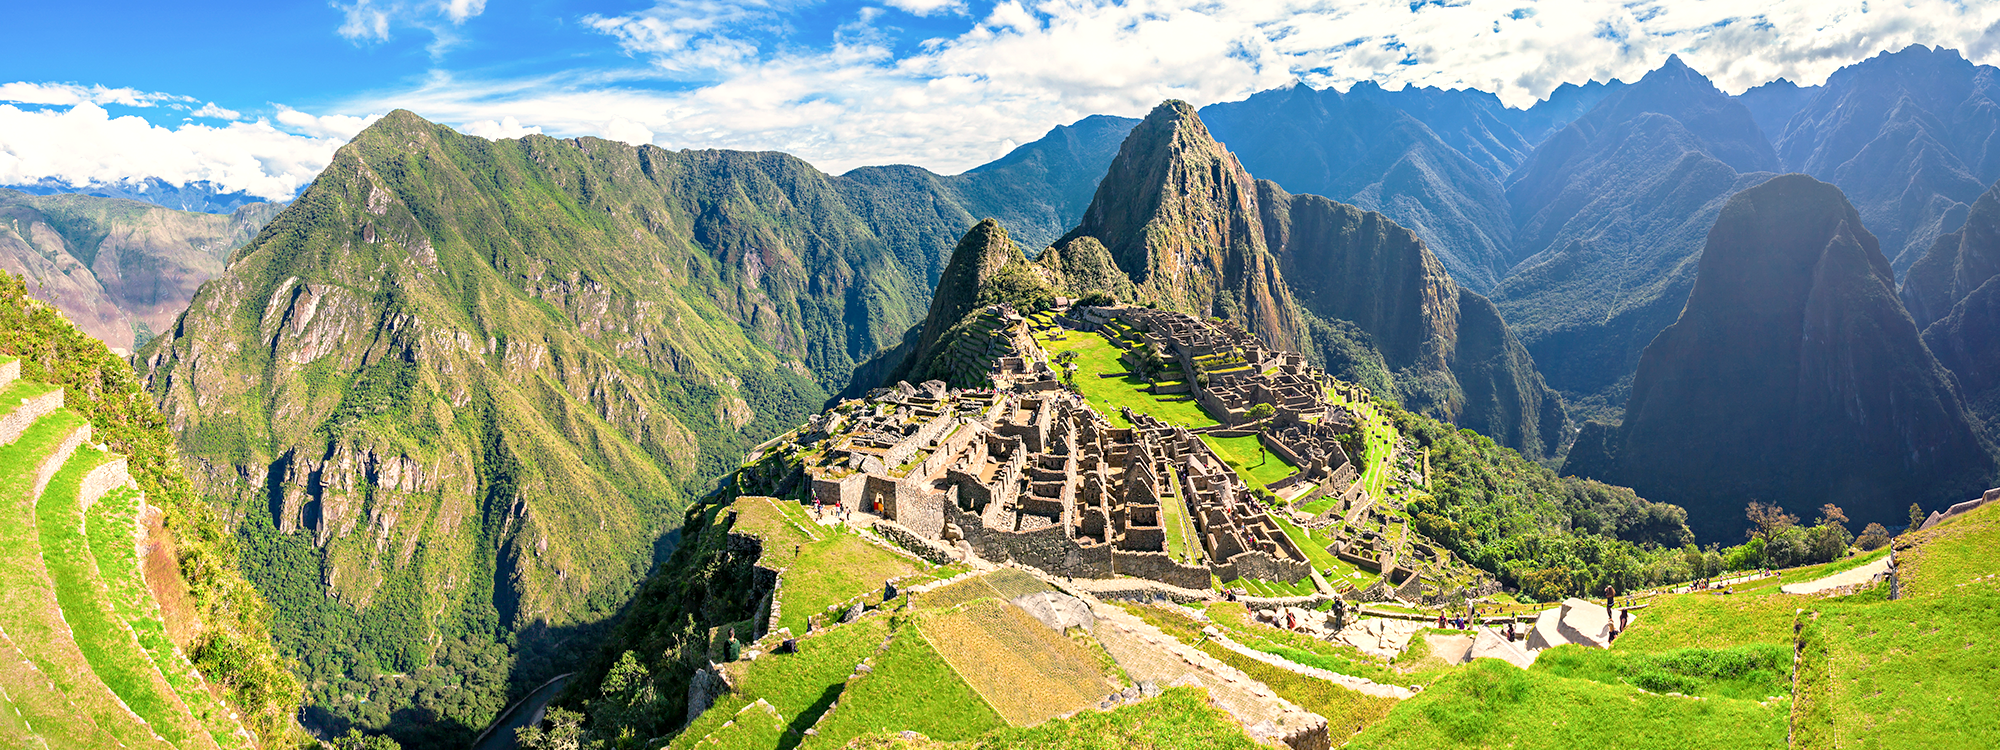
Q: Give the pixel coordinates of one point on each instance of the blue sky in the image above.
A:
(256, 96)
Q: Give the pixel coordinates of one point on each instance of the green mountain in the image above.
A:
(452, 397)
(1194, 232)
(126, 620)
(1793, 377)
(120, 269)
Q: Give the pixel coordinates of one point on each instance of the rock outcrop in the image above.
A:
(1793, 376)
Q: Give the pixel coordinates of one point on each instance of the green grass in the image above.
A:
(29, 609)
(1314, 547)
(832, 564)
(800, 686)
(1947, 559)
(1183, 542)
(1257, 468)
(1912, 673)
(911, 688)
(111, 524)
(112, 650)
(1707, 620)
(1754, 672)
(1490, 703)
(1179, 719)
(1096, 355)
(1333, 657)
(1025, 671)
(1261, 587)
(1379, 439)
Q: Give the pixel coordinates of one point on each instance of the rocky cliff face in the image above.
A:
(1793, 376)
(121, 270)
(1194, 232)
(1954, 296)
(1178, 215)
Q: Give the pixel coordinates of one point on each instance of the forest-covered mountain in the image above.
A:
(1793, 377)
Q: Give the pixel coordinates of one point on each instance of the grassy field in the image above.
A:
(911, 688)
(1332, 657)
(1257, 467)
(1913, 673)
(1710, 620)
(1954, 558)
(1183, 542)
(798, 686)
(1490, 703)
(831, 565)
(1004, 584)
(1314, 547)
(1023, 669)
(1754, 672)
(1179, 719)
(1096, 355)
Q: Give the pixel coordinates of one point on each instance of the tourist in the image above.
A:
(1440, 619)
(1610, 597)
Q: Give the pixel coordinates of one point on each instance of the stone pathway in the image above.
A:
(1149, 655)
(1856, 577)
(1357, 684)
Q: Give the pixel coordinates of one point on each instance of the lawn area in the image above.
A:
(1183, 542)
(1315, 548)
(912, 688)
(1179, 719)
(1913, 673)
(1330, 656)
(1490, 703)
(1096, 355)
(1754, 672)
(1949, 557)
(799, 686)
(832, 564)
(1705, 619)
(1024, 670)
(1245, 454)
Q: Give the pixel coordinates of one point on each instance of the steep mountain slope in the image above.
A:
(1470, 121)
(1039, 189)
(1792, 377)
(1773, 104)
(1909, 136)
(1364, 148)
(122, 270)
(1953, 295)
(1192, 230)
(126, 619)
(1563, 105)
(1611, 216)
(987, 268)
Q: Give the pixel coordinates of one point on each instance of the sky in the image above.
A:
(256, 96)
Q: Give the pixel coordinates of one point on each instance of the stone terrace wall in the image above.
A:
(102, 480)
(1048, 548)
(903, 537)
(1158, 566)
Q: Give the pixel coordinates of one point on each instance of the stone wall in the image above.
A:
(1158, 566)
(31, 409)
(1048, 548)
(903, 537)
(1261, 565)
(844, 492)
(102, 480)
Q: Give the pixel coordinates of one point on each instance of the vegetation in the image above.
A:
(1095, 356)
(1179, 719)
(1247, 455)
(235, 649)
(910, 688)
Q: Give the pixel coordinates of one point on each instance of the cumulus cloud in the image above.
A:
(210, 110)
(372, 21)
(64, 94)
(83, 145)
(621, 129)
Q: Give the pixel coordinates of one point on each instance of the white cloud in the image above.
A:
(84, 145)
(621, 129)
(334, 127)
(927, 7)
(504, 128)
(364, 21)
(459, 10)
(64, 94)
(210, 110)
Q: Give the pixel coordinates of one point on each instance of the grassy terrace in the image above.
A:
(1183, 542)
(1245, 454)
(912, 688)
(1095, 355)
(831, 565)
(1380, 439)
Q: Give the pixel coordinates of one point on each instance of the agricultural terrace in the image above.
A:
(1096, 356)
(1257, 466)
(1379, 439)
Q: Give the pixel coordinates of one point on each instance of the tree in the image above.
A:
(1832, 514)
(1770, 520)
(1916, 516)
(1261, 412)
(564, 732)
(355, 740)
(1873, 537)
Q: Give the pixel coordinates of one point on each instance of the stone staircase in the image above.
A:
(85, 659)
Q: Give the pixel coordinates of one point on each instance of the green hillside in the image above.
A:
(125, 620)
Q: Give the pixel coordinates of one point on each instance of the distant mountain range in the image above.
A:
(200, 195)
